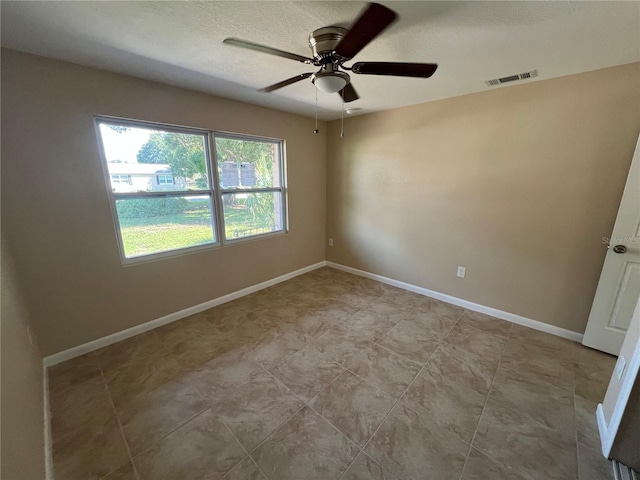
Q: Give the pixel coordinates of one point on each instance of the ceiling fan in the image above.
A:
(333, 46)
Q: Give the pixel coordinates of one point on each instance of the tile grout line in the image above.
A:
(68, 434)
(275, 430)
(366, 444)
(95, 363)
(346, 369)
(105, 384)
(193, 417)
(388, 349)
(575, 418)
(257, 466)
(318, 392)
(173, 430)
(360, 450)
(386, 471)
(243, 448)
(376, 343)
(307, 404)
(486, 401)
(439, 340)
(180, 425)
(393, 352)
(305, 342)
(512, 409)
(124, 439)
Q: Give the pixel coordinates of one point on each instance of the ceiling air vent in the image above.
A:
(512, 78)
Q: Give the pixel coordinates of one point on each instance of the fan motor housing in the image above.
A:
(324, 41)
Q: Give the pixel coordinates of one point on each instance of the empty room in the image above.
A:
(320, 240)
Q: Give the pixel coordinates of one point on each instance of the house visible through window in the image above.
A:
(174, 189)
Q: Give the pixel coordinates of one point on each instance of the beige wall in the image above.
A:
(22, 416)
(518, 184)
(56, 212)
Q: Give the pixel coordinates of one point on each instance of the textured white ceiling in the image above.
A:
(180, 43)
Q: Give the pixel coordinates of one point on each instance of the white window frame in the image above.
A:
(165, 179)
(214, 191)
(116, 178)
(281, 189)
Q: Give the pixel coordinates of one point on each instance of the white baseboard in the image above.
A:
(144, 327)
(603, 428)
(494, 312)
(133, 331)
(48, 457)
(138, 329)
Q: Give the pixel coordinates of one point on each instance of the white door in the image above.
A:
(619, 285)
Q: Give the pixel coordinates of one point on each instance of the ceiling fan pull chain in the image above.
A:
(342, 119)
(316, 130)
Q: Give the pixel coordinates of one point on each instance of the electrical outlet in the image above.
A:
(620, 366)
(331, 242)
(462, 271)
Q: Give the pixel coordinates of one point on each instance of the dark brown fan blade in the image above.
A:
(286, 82)
(367, 27)
(236, 42)
(396, 69)
(349, 93)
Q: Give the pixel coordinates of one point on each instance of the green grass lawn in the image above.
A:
(142, 236)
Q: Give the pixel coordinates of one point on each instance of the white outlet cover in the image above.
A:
(462, 271)
(331, 242)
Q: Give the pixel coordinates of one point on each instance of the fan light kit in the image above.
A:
(332, 46)
(330, 82)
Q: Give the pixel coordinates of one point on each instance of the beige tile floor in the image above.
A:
(331, 376)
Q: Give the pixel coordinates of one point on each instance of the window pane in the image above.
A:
(165, 179)
(248, 163)
(154, 160)
(248, 214)
(152, 225)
